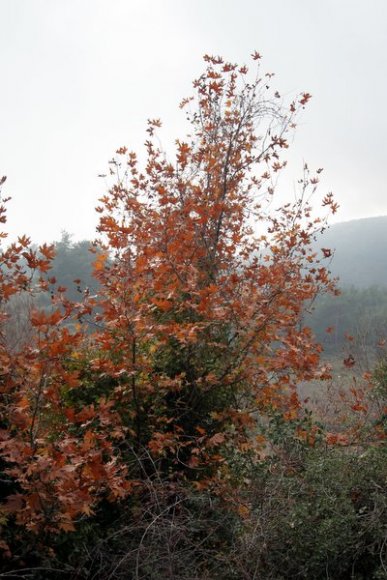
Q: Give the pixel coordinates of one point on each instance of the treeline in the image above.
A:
(357, 314)
(72, 266)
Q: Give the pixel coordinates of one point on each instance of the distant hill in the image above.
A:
(360, 251)
(359, 260)
(359, 256)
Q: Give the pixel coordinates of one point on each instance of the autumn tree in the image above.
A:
(48, 462)
(201, 305)
(197, 334)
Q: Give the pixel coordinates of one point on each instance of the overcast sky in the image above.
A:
(79, 78)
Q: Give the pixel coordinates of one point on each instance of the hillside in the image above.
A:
(359, 261)
(360, 256)
(358, 247)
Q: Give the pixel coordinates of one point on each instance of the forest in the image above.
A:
(194, 395)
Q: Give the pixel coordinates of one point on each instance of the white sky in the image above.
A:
(79, 78)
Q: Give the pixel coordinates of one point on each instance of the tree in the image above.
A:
(197, 318)
(72, 267)
(202, 303)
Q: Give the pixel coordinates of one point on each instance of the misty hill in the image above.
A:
(360, 263)
(360, 251)
(359, 260)
(359, 247)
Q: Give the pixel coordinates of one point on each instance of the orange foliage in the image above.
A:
(196, 324)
